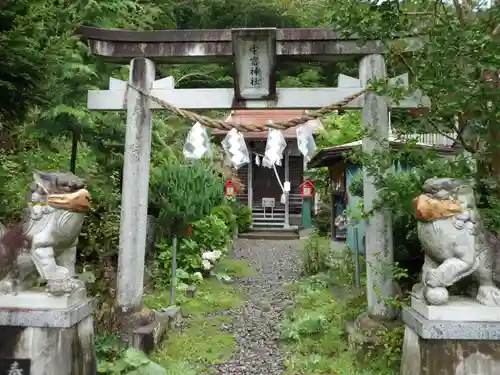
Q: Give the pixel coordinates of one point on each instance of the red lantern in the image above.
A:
(229, 189)
(306, 189)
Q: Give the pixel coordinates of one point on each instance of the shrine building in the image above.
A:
(262, 188)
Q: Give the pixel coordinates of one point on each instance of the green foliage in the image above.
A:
(184, 193)
(322, 220)
(398, 187)
(189, 257)
(316, 255)
(226, 213)
(202, 342)
(210, 233)
(314, 331)
(338, 130)
(243, 217)
(114, 359)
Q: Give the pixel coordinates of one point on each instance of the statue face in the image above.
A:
(60, 190)
(465, 194)
(56, 183)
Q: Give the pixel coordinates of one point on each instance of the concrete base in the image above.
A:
(47, 340)
(449, 344)
(39, 299)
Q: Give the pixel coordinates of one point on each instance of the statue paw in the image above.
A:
(488, 295)
(437, 296)
(432, 279)
(62, 286)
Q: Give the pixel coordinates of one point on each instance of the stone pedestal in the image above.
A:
(49, 336)
(460, 338)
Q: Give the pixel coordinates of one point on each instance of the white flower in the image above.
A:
(198, 275)
(212, 256)
(206, 264)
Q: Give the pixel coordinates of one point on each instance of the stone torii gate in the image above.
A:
(254, 53)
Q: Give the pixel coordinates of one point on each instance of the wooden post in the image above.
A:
(134, 204)
(379, 243)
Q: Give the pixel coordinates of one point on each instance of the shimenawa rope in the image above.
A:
(224, 125)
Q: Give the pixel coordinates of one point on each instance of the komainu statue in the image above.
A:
(46, 241)
(454, 241)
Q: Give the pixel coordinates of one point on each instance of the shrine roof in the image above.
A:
(262, 117)
(329, 156)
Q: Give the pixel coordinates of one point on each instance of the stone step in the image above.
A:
(269, 225)
(268, 215)
(268, 220)
(270, 234)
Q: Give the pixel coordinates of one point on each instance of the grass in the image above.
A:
(211, 296)
(202, 342)
(235, 267)
(313, 330)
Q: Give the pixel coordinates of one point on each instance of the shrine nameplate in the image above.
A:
(15, 366)
(255, 63)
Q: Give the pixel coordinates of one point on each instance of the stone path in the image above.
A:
(256, 326)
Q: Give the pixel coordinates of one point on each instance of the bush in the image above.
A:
(316, 255)
(189, 257)
(184, 193)
(226, 213)
(322, 220)
(210, 233)
(243, 218)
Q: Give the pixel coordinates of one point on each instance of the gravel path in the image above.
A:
(256, 326)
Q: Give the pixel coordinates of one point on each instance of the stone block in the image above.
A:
(450, 345)
(46, 317)
(34, 299)
(451, 329)
(148, 337)
(49, 341)
(458, 309)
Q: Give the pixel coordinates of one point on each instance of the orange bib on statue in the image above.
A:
(428, 209)
(79, 201)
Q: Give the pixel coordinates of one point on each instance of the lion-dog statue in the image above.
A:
(46, 240)
(455, 242)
